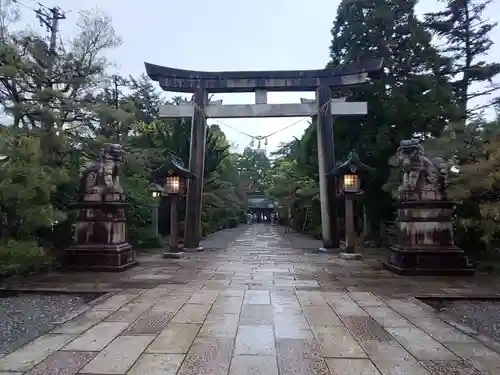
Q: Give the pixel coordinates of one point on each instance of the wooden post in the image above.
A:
(192, 229)
(174, 225)
(326, 162)
(173, 251)
(350, 233)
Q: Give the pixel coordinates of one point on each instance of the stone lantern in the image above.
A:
(349, 175)
(171, 177)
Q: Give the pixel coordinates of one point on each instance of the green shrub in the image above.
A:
(148, 242)
(19, 257)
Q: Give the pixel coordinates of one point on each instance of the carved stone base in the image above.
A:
(437, 262)
(100, 257)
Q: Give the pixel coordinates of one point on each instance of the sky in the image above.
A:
(221, 35)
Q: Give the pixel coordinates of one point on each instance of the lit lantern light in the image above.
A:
(172, 184)
(351, 183)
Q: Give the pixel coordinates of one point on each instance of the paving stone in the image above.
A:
(98, 337)
(231, 292)
(420, 344)
(300, 357)
(259, 297)
(285, 299)
(192, 313)
(366, 299)
(321, 316)
(384, 349)
(204, 297)
(291, 326)
(291, 331)
(441, 331)
(72, 314)
(130, 312)
(119, 356)
(450, 368)
(175, 338)
(157, 364)
(227, 305)
(408, 309)
(208, 356)
(255, 340)
(252, 314)
(344, 366)
(62, 363)
(33, 353)
(82, 322)
(151, 323)
(400, 367)
(253, 365)
(219, 326)
(387, 317)
(337, 342)
(113, 303)
(311, 299)
(366, 329)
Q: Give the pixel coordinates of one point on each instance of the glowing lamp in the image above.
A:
(351, 183)
(172, 184)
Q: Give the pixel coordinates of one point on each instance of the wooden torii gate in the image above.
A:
(200, 84)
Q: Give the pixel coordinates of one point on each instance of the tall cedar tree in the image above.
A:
(410, 97)
(466, 35)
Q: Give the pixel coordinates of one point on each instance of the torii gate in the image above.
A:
(323, 108)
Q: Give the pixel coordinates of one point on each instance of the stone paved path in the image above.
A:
(259, 307)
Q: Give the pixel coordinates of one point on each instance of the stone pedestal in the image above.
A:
(425, 241)
(100, 237)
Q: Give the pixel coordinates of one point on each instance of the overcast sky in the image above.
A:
(225, 35)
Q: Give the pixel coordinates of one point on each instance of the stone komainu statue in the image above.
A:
(100, 180)
(424, 178)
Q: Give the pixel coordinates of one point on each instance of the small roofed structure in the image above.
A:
(352, 165)
(173, 165)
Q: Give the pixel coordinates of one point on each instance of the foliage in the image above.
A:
(62, 105)
(21, 257)
(467, 40)
(26, 186)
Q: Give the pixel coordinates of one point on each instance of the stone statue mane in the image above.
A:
(100, 178)
(424, 178)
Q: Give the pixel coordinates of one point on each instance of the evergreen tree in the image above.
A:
(466, 35)
(411, 97)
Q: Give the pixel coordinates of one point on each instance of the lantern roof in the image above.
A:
(173, 166)
(352, 165)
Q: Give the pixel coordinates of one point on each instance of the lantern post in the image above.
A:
(173, 177)
(348, 175)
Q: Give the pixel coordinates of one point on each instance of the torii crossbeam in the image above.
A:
(321, 81)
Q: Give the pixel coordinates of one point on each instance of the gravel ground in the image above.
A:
(27, 316)
(483, 316)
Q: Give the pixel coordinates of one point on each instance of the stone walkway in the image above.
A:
(258, 307)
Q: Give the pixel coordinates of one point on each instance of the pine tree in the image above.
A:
(466, 35)
(410, 98)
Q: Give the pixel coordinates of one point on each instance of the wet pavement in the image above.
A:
(260, 306)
